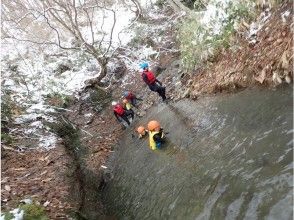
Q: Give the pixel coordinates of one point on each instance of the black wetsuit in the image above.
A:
(155, 87)
(124, 116)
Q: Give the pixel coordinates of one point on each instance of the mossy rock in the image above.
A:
(34, 212)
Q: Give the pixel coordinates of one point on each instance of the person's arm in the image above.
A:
(145, 78)
(156, 80)
(157, 138)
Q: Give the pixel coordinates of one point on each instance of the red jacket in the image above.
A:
(148, 77)
(118, 109)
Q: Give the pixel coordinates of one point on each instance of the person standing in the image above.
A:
(153, 83)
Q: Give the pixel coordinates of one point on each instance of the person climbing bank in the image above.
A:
(131, 97)
(156, 135)
(121, 113)
(153, 83)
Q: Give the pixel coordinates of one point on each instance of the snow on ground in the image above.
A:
(256, 26)
(36, 76)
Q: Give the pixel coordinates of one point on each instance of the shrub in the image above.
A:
(58, 100)
(33, 212)
(200, 39)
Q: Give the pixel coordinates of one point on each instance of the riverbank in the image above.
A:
(42, 174)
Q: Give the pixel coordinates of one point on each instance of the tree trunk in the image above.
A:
(139, 11)
(102, 61)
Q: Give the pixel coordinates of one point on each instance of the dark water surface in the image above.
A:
(227, 157)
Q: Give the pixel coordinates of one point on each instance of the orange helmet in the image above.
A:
(141, 130)
(125, 101)
(152, 125)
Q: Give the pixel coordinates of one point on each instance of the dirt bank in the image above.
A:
(267, 61)
(43, 176)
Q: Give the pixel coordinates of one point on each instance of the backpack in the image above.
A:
(119, 109)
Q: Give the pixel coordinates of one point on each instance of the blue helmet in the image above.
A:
(144, 65)
(125, 93)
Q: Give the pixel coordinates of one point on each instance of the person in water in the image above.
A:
(153, 83)
(156, 135)
(142, 132)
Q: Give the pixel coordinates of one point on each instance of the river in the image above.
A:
(226, 157)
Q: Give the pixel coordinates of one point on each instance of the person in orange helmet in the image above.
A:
(156, 135)
(142, 132)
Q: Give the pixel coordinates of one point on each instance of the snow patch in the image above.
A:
(285, 15)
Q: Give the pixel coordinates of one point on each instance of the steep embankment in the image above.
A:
(250, 65)
(266, 60)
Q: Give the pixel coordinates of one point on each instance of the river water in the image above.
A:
(226, 157)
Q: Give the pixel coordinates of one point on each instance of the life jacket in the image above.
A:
(152, 143)
(150, 77)
(128, 106)
(119, 109)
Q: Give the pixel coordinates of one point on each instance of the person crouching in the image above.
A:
(121, 113)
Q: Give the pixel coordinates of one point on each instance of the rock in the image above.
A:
(284, 61)
(261, 76)
(288, 79)
(270, 39)
(190, 82)
(194, 95)
(276, 78)
(186, 94)
(7, 188)
(279, 40)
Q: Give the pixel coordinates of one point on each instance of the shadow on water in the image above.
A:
(226, 157)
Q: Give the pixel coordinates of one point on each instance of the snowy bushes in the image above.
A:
(204, 33)
(26, 212)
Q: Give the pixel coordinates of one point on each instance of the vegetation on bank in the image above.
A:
(202, 38)
(29, 211)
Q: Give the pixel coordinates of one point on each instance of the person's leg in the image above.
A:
(134, 102)
(131, 113)
(125, 118)
(161, 92)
